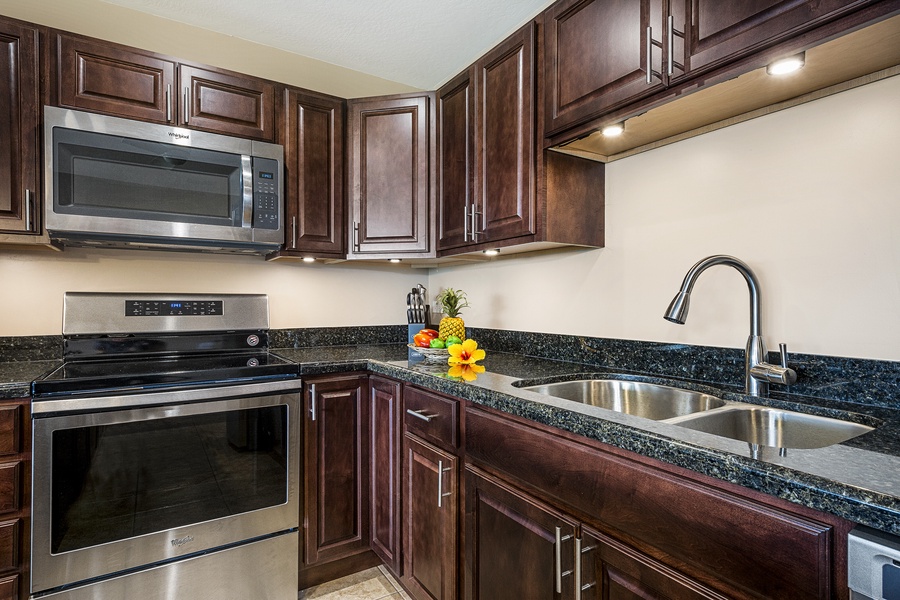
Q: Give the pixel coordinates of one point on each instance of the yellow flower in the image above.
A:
(466, 353)
(466, 371)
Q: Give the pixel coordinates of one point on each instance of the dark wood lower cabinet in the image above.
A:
(384, 469)
(336, 490)
(430, 520)
(15, 498)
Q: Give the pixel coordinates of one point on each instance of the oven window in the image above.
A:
(111, 176)
(112, 482)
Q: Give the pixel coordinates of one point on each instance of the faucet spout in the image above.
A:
(757, 372)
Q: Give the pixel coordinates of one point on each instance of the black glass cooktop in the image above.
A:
(152, 373)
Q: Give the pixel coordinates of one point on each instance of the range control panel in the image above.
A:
(168, 308)
(265, 193)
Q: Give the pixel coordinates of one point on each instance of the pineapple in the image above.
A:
(452, 302)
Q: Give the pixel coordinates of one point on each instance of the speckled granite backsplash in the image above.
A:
(861, 381)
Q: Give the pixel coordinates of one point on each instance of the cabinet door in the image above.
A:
(116, 80)
(718, 31)
(456, 160)
(335, 474)
(19, 120)
(430, 527)
(390, 176)
(611, 570)
(384, 472)
(516, 547)
(227, 103)
(596, 57)
(505, 129)
(314, 161)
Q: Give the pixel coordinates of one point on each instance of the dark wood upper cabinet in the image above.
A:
(109, 78)
(596, 56)
(19, 123)
(384, 469)
(505, 130)
(314, 165)
(335, 470)
(113, 79)
(229, 103)
(391, 141)
(456, 160)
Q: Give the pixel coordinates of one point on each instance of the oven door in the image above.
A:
(160, 478)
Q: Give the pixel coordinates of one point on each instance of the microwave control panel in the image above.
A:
(265, 193)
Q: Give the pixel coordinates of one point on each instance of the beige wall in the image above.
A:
(809, 197)
(125, 26)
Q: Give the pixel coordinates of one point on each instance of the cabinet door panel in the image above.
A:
(430, 538)
(455, 178)
(384, 410)
(236, 105)
(314, 155)
(505, 147)
(718, 31)
(336, 429)
(115, 80)
(390, 175)
(511, 544)
(19, 118)
(597, 57)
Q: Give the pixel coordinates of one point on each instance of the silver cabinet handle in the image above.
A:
(29, 210)
(440, 473)
(312, 402)
(169, 103)
(294, 232)
(671, 33)
(558, 551)
(650, 43)
(466, 223)
(475, 215)
(187, 106)
(420, 414)
(356, 237)
(578, 568)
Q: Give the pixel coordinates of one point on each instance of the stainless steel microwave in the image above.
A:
(121, 183)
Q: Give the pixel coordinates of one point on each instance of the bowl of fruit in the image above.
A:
(431, 346)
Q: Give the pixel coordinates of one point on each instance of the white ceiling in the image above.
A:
(420, 43)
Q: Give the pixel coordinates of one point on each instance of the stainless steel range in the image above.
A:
(166, 453)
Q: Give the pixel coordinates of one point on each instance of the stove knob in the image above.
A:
(252, 340)
(253, 362)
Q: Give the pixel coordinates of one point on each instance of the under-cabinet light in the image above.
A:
(783, 66)
(308, 259)
(394, 260)
(493, 252)
(614, 130)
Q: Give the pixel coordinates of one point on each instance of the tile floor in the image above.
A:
(373, 584)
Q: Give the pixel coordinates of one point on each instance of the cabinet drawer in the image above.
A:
(432, 417)
(9, 588)
(9, 487)
(9, 430)
(9, 545)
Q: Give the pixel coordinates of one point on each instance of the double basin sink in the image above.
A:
(756, 425)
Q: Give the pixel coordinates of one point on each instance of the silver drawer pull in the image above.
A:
(420, 414)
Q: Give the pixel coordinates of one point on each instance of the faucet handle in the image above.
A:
(782, 349)
(773, 373)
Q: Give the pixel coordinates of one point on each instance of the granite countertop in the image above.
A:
(858, 480)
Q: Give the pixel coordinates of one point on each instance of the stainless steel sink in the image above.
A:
(646, 400)
(772, 427)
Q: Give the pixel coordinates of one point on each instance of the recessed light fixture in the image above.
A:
(614, 130)
(394, 260)
(309, 259)
(786, 65)
(493, 252)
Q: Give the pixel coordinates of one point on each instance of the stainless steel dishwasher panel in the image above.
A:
(873, 569)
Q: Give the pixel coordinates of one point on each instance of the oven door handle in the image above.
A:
(247, 180)
(41, 407)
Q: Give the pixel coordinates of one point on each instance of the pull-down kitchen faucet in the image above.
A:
(757, 372)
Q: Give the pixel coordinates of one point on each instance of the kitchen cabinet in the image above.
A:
(677, 532)
(390, 174)
(113, 79)
(497, 188)
(335, 468)
(610, 57)
(314, 175)
(15, 498)
(20, 204)
(384, 469)
(430, 495)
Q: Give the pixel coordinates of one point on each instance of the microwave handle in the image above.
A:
(247, 178)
